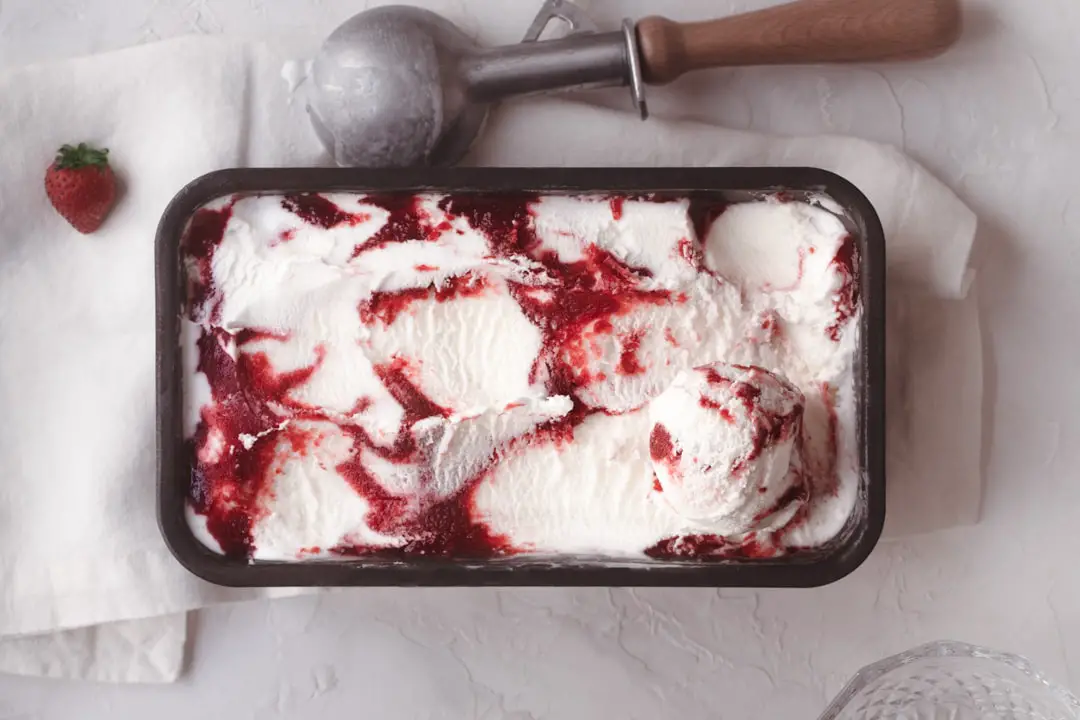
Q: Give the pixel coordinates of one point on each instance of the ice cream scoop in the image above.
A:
(724, 446)
(399, 86)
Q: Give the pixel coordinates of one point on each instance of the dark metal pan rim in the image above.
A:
(822, 566)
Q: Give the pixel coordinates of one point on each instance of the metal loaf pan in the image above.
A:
(813, 568)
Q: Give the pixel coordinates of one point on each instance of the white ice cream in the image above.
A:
(721, 442)
(427, 362)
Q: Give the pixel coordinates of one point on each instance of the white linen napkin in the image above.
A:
(87, 588)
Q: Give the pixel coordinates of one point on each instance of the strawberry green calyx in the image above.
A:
(73, 158)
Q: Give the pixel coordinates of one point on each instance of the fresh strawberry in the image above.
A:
(81, 186)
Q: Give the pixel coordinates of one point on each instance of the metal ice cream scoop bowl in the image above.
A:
(399, 86)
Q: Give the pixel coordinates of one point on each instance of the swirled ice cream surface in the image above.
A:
(472, 376)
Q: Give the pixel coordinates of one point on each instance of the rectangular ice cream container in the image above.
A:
(812, 568)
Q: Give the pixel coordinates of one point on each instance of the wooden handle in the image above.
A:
(807, 31)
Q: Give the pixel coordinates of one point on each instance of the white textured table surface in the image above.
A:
(999, 120)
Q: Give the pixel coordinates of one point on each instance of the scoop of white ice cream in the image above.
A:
(722, 445)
